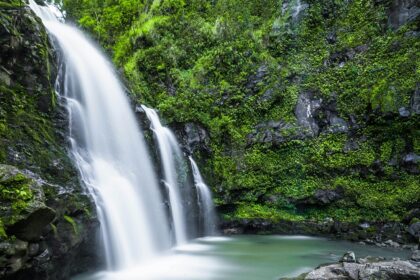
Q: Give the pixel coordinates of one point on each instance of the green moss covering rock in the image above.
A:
(23, 211)
(293, 102)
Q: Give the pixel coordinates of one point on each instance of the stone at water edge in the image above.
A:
(349, 257)
(414, 230)
(415, 256)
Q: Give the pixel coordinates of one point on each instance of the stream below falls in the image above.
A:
(247, 257)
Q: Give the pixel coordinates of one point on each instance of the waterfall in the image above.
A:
(109, 150)
(205, 202)
(170, 157)
(298, 8)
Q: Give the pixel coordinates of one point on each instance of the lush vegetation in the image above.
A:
(229, 65)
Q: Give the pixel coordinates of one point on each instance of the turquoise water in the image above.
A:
(246, 258)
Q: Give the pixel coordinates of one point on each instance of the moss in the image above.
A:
(72, 222)
(265, 212)
(15, 194)
(2, 230)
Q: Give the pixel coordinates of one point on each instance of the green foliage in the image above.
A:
(230, 65)
(265, 212)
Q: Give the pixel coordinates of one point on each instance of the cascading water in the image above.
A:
(171, 157)
(109, 150)
(207, 212)
(298, 8)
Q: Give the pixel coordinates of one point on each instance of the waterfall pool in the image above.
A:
(247, 257)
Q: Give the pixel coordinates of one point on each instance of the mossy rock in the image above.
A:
(23, 211)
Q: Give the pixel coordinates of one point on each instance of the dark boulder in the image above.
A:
(31, 228)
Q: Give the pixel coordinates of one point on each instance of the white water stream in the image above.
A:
(205, 201)
(170, 157)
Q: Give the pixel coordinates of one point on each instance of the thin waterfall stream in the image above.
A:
(205, 202)
(170, 156)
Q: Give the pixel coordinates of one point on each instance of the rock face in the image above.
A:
(195, 138)
(47, 222)
(313, 117)
(305, 112)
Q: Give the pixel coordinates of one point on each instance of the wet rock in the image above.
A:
(328, 196)
(335, 271)
(369, 259)
(305, 111)
(392, 243)
(28, 221)
(336, 124)
(348, 257)
(196, 137)
(404, 112)
(402, 12)
(31, 227)
(415, 256)
(414, 230)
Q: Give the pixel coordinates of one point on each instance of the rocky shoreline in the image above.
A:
(352, 268)
(390, 234)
